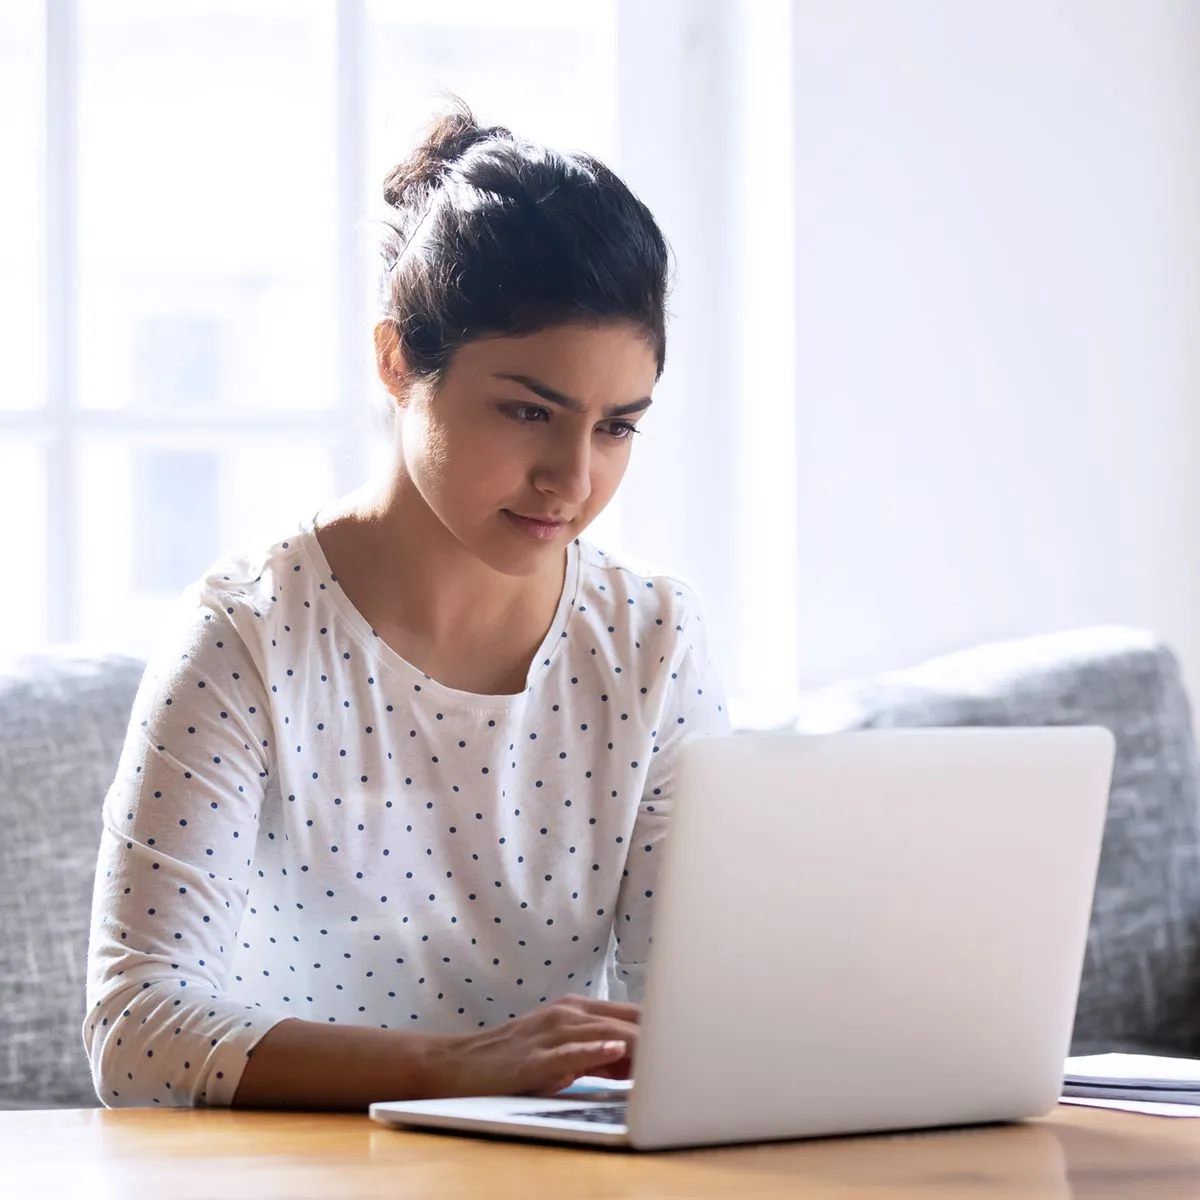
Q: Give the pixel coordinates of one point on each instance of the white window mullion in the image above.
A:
(350, 155)
(61, 245)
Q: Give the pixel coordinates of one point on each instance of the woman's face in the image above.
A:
(526, 439)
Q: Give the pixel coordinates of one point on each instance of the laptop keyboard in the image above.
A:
(595, 1114)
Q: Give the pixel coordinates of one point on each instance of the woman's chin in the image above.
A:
(514, 555)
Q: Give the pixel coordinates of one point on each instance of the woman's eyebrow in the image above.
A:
(567, 402)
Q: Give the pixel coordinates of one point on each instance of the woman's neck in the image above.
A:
(425, 593)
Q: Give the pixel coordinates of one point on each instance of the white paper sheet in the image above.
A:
(1137, 1106)
(1135, 1071)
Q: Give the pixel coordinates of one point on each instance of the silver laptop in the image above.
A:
(858, 932)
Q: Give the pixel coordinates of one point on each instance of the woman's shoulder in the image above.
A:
(623, 588)
(261, 576)
(247, 593)
(646, 623)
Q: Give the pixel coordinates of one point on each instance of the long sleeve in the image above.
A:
(694, 706)
(179, 831)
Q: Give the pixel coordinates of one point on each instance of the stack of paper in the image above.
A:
(1141, 1082)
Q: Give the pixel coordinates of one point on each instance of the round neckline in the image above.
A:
(360, 628)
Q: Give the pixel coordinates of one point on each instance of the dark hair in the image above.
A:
(494, 235)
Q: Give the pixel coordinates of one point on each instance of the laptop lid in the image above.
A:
(868, 931)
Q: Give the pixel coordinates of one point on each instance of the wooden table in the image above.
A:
(1075, 1152)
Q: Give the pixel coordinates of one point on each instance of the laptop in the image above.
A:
(854, 933)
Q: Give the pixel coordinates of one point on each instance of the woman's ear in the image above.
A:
(389, 360)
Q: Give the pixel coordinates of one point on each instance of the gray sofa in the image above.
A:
(62, 718)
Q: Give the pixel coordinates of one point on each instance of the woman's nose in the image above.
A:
(566, 472)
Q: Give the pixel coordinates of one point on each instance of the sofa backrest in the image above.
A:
(1141, 977)
(62, 721)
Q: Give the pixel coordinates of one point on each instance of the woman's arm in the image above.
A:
(180, 825)
(304, 1064)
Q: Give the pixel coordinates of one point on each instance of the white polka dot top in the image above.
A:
(304, 824)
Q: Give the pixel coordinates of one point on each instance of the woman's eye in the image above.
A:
(621, 430)
(526, 414)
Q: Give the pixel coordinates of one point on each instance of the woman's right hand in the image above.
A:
(541, 1052)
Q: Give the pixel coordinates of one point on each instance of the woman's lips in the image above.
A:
(536, 528)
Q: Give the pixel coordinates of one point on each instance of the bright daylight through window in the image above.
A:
(187, 265)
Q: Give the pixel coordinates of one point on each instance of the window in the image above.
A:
(22, 249)
(22, 485)
(188, 205)
(23, 442)
(177, 361)
(175, 526)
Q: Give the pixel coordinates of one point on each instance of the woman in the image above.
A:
(397, 781)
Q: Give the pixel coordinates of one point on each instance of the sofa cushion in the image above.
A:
(1141, 977)
(62, 721)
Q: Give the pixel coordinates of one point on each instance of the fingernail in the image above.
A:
(613, 1047)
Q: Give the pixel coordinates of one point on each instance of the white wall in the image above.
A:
(998, 314)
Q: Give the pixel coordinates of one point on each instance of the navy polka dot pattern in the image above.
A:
(303, 824)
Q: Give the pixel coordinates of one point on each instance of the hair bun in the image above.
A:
(447, 139)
